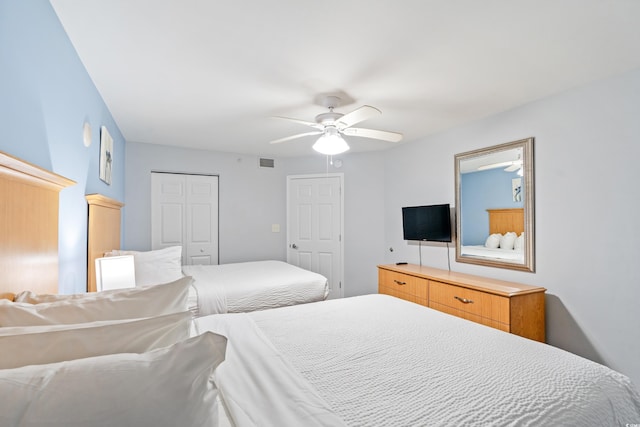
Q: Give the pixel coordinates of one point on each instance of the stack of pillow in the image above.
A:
(509, 240)
(120, 357)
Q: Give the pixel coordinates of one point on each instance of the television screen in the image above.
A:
(430, 223)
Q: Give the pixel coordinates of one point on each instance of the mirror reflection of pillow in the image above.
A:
(508, 240)
(493, 241)
(519, 243)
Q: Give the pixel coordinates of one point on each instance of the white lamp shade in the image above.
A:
(115, 272)
(330, 144)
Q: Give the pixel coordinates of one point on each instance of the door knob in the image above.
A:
(294, 246)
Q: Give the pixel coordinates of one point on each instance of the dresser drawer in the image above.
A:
(405, 286)
(471, 304)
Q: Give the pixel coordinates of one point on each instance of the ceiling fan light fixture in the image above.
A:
(330, 143)
(333, 125)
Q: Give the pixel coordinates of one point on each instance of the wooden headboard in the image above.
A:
(103, 233)
(505, 220)
(29, 200)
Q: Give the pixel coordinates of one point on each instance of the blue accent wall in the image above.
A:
(46, 95)
(489, 189)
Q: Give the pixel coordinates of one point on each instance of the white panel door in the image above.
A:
(168, 200)
(202, 220)
(184, 212)
(314, 226)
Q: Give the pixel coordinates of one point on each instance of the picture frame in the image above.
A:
(106, 155)
(516, 189)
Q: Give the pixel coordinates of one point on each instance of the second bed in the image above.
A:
(251, 286)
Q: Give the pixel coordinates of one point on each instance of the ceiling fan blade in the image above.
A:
(356, 116)
(289, 138)
(495, 165)
(374, 134)
(302, 122)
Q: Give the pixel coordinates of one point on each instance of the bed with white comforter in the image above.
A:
(380, 361)
(250, 286)
(509, 255)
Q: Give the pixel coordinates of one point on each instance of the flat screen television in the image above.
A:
(427, 223)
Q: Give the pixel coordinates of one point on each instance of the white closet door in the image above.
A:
(184, 212)
(201, 234)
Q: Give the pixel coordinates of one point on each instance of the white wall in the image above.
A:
(251, 199)
(587, 146)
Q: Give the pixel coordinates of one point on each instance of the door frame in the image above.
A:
(340, 176)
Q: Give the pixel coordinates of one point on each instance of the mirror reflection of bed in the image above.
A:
(503, 224)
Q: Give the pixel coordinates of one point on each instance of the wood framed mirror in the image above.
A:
(495, 206)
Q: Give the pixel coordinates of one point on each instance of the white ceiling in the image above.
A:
(211, 74)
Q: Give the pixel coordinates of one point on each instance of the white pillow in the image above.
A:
(132, 303)
(155, 267)
(507, 240)
(165, 387)
(120, 252)
(519, 243)
(33, 298)
(493, 241)
(36, 345)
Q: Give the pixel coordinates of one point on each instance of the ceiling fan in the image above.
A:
(509, 160)
(332, 125)
(509, 166)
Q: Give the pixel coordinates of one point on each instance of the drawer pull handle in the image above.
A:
(464, 300)
(399, 282)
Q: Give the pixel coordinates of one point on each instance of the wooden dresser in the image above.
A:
(508, 306)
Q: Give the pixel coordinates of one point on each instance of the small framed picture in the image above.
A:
(106, 155)
(516, 186)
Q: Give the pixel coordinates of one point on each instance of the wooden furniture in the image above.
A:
(505, 220)
(28, 227)
(508, 306)
(103, 233)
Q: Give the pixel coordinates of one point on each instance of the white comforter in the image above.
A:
(512, 255)
(249, 286)
(379, 361)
